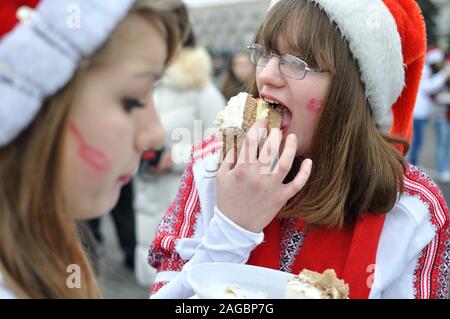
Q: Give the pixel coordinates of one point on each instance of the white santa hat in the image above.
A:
(388, 40)
(40, 51)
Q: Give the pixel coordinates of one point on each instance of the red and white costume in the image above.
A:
(402, 254)
(411, 255)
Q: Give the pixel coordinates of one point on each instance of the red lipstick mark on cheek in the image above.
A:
(314, 105)
(92, 156)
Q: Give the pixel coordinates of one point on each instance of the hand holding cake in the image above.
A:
(240, 114)
(250, 192)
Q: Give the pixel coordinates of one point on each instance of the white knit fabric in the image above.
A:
(5, 292)
(371, 32)
(40, 55)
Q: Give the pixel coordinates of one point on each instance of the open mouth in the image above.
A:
(285, 113)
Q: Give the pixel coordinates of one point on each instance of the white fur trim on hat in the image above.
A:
(40, 55)
(373, 38)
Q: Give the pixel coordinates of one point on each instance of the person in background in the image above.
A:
(439, 74)
(443, 100)
(188, 102)
(237, 74)
(77, 111)
(430, 83)
(124, 222)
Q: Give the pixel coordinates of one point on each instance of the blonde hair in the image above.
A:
(356, 167)
(38, 238)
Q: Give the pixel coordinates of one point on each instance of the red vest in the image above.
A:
(351, 252)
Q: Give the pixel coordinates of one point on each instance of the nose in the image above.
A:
(150, 133)
(270, 74)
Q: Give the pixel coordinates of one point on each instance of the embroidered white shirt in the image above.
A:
(412, 258)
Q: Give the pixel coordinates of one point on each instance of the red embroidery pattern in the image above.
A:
(291, 242)
(158, 285)
(178, 222)
(432, 270)
(181, 218)
(208, 147)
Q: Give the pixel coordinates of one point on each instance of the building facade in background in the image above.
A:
(226, 26)
(443, 23)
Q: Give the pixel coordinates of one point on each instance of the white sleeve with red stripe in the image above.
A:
(413, 257)
(223, 242)
(194, 230)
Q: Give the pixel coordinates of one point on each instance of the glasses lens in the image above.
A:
(258, 55)
(293, 67)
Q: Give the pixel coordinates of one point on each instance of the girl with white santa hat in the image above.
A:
(76, 112)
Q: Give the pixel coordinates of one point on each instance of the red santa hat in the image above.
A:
(8, 13)
(388, 40)
(42, 43)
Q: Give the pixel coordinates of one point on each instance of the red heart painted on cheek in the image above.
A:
(314, 105)
(92, 156)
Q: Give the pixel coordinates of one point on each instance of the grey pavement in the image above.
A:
(118, 282)
(115, 280)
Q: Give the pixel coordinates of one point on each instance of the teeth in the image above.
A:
(275, 105)
(272, 104)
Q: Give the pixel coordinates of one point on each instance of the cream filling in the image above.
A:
(233, 114)
(262, 109)
(296, 289)
(240, 293)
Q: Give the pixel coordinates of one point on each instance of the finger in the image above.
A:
(270, 151)
(249, 150)
(229, 161)
(287, 158)
(300, 179)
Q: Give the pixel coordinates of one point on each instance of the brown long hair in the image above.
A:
(231, 85)
(38, 238)
(356, 167)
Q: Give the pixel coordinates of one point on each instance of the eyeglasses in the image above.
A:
(291, 66)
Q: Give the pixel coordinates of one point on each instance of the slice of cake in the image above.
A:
(241, 112)
(313, 285)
